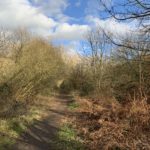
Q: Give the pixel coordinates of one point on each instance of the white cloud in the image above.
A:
(52, 8)
(111, 25)
(70, 32)
(19, 13)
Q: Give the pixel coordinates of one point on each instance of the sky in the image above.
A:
(64, 22)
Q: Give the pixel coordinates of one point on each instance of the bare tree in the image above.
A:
(98, 50)
(130, 10)
(136, 46)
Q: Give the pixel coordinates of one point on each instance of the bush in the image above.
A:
(39, 65)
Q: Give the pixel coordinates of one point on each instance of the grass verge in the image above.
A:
(68, 139)
(73, 105)
(10, 129)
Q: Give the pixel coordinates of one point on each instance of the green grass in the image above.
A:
(73, 105)
(6, 143)
(68, 140)
(67, 133)
(17, 126)
(13, 127)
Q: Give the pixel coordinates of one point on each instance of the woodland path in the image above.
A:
(43, 133)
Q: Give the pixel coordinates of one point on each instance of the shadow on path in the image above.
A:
(43, 133)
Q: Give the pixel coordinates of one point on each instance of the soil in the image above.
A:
(43, 133)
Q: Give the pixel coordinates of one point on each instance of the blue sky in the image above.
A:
(65, 22)
(76, 10)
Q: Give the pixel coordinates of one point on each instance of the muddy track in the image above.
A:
(42, 134)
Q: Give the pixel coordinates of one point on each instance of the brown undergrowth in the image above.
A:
(108, 125)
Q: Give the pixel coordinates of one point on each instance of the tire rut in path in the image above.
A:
(42, 134)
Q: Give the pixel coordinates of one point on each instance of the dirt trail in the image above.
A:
(41, 135)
